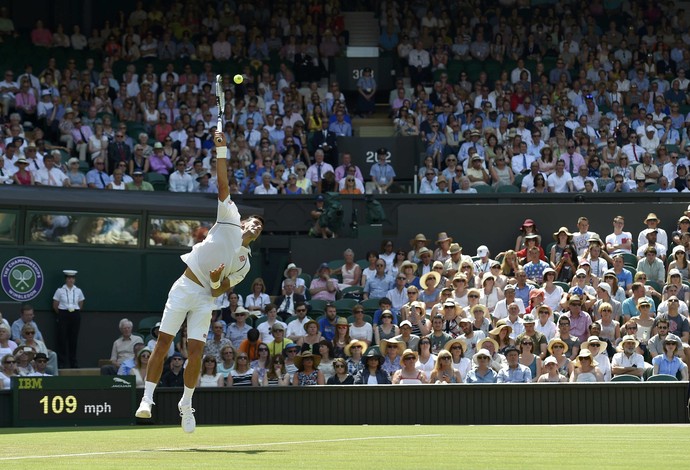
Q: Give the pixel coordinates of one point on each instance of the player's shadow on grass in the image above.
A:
(226, 451)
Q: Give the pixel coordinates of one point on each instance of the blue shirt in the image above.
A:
(382, 173)
(327, 329)
(523, 293)
(668, 367)
(630, 307)
(98, 179)
(521, 374)
(474, 377)
(377, 287)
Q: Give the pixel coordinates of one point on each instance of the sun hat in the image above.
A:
(399, 345)
(240, 310)
(442, 237)
(342, 321)
(591, 340)
(424, 278)
(557, 341)
(480, 344)
(487, 276)
(628, 339)
(585, 353)
(481, 307)
(563, 229)
(501, 325)
(454, 248)
(355, 342)
(679, 343)
(290, 267)
(408, 264)
(423, 251)
(454, 341)
(307, 354)
(373, 352)
(419, 238)
(651, 215)
(481, 353)
(407, 353)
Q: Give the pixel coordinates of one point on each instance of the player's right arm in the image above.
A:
(221, 165)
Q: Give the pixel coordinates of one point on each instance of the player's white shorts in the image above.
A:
(189, 300)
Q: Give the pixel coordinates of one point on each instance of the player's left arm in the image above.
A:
(221, 165)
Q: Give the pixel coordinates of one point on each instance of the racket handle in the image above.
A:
(220, 123)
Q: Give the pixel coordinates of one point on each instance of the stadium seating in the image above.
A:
(626, 378)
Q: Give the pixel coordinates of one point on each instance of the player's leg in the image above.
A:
(175, 312)
(154, 370)
(198, 321)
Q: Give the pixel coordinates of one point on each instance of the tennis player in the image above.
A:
(213, 266)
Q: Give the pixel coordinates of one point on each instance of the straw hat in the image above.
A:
(240, 310)
(419, 238)
(408, 264)
(628, 339)
(408, 353)
(583, 354)
(485, 311)
(442, 237)
(591, 340)
(290, 267)
(355, 342)
(500, 325)
(454, 341)
(316, 358)
(454, 248)
(434, 274)
(480, 345)
(399, 345)
(557, 341)
(651, 216)
(565, 230)
(424, 250)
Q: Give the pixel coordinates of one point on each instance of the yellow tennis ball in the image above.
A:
(238, 78)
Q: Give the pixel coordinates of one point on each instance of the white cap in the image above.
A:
(69, 272)
(605, 286)
(650, 129)
(482, 250)
(580, 271)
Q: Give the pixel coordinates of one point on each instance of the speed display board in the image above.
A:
(73, 401)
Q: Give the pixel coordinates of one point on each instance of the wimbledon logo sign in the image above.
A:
(22, 278)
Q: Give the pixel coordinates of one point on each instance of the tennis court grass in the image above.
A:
(320, 447)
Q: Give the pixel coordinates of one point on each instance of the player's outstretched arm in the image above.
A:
(221, 164)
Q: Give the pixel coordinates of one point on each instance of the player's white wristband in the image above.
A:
(215, 285)
(222, 152)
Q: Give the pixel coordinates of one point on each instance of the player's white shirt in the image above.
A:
(223, 244)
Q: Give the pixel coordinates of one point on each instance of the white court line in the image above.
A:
(233, 446)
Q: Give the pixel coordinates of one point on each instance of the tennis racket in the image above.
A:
(220, 101)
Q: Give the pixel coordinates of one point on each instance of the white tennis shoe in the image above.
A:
(144, 410)
(188, 420)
